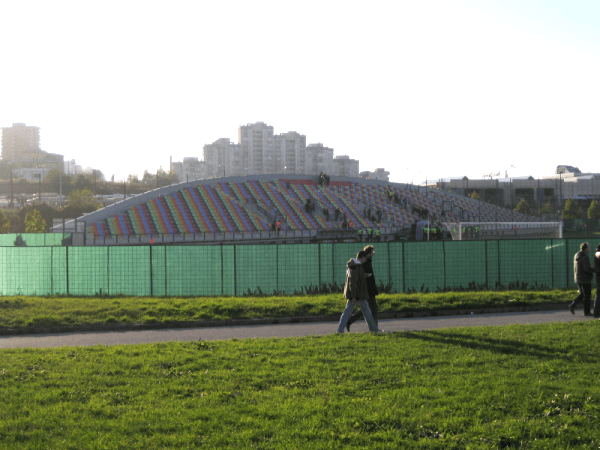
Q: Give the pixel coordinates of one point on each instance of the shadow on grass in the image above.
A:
(505, 346)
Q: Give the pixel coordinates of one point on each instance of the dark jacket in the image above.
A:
(355, 287)
(584, 274)
(597, 267)
(371, 283)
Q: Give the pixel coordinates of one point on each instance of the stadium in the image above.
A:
(288, 235)
(248, 209)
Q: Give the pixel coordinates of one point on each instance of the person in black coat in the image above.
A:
(597, 267)
(584, 275)
(371, 289)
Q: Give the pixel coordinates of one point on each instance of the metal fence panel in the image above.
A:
(217, 270)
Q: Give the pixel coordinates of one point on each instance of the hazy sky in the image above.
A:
(424, 89)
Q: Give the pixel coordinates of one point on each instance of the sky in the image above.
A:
(425, 89)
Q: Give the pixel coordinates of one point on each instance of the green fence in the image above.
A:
(226, 270)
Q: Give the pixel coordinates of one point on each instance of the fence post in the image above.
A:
(108, 270)
(403, 270)
(234, 272)
(67, 268)
(277, 266)
(444, 254)
(166, 267)
(498, 248)
(389, 263)
(552, 260)
(487, 286)
(151, 279)
(222, 289)
(319, 244)
(567, 263)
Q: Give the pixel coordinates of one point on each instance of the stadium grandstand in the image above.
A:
(261, 208)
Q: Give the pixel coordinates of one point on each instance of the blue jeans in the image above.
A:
(364, 306)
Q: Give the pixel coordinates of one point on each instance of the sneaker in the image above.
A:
(572, 309)
(379, 331)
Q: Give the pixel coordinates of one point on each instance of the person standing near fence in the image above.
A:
(597, 268)
(355, 291)
(584, 274)
(371, 289)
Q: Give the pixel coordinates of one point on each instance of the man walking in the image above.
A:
(584, 274)
(355, 291)
(597, 269)
(371, 289)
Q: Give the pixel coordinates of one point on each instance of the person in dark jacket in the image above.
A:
(371, 289)
(584, 274)
(355, 291)
(597, 268)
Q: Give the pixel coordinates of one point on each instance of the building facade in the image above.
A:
(343, 166)
(319, 159)
(21, 149)
(260, 152)
(378, 174)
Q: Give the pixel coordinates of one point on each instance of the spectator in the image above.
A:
(356, 291)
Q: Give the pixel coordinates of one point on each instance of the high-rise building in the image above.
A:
(343, 166)
(259, 151)
(256, 149)
(20, 142)
(222, 158)
(319, 159)
(290, 151)
(21, 148)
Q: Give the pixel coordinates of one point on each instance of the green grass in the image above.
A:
(31, 314)
(518, 386)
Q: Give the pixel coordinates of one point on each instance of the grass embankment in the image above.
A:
(495, 387)
(30, 314)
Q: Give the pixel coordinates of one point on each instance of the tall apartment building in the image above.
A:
(290, 153)
(20, 142)
(343, 166)
(190, 169)
(319, 159)
(222, 158)
(257, 149)
(21, 147)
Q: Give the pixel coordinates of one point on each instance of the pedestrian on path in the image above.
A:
(371, 289)
(597, 268)
(355, 292)
(584, 274)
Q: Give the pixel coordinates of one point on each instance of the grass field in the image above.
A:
(32, 314)
(482, 388)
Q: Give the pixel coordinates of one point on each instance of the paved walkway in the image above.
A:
(280, 330)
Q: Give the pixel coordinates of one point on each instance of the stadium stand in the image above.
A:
(253, 204)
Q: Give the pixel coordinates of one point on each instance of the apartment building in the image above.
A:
(190, 169)
(343, 166)
(222, 158)
(319, 159)
(259, 151)
(290, 151)
(21, 149)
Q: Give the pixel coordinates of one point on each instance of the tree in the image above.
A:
(475, 195)
(547, 208)
(593, 211)
(4, 222)
(34, 222)
(523, 207)
(572, 210)
(84, 199)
